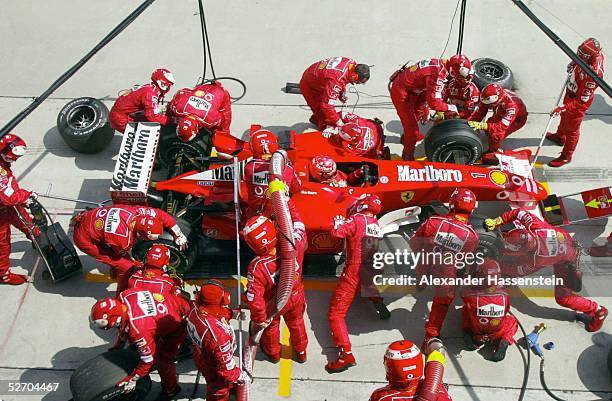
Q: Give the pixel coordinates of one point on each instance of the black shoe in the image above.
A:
(500, 353)
(381, 308)
(468, 341)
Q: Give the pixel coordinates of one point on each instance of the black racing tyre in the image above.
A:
(491, 243)
(491, 71)
(83, 125)
(169, 146)
(95, 379)
(180, 261)
(453, 141)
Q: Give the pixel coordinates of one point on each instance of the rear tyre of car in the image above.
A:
(491, 71)
(83, 125)
(453, 141)
(197, 150)
(180, 261)
(95, 379)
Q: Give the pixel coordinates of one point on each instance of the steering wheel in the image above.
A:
(368, 179)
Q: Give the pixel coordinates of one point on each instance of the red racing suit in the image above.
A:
(214, 341)
(323, 85)
(341, 179)
(142, 99)
(154, 280)
(486, 313)
(370, 142)
(11, 197)
(210, 104)
(155, 326)
(579, 95)
(465, 97)
(107, 234)
(442, 235)
(396, 393)
(554, 248)
(411, 86)
(256, 173)
(509, 115)
(362, 234)
(262, 276)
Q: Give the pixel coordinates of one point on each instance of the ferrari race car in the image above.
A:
(202, 199)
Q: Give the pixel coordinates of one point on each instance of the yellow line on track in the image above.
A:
(284, 378)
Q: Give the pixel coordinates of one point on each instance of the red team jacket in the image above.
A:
(210, 104)
(509, 108)
(425, 76)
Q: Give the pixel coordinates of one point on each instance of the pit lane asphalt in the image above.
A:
(45, 333)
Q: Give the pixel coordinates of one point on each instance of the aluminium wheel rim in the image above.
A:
(491, 70)
(82, 117)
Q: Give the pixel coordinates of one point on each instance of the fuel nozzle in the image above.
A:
(38, 217)
(533, 337)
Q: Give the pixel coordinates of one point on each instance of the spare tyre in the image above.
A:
(453, 141)
(83, 125)
(95, 379)
(180, 261)
(491, 71)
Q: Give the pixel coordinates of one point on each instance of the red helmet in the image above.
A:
(12, 147)
(520, 239)
(213, 293)
(322, 168)
(158, 257)
(404, 363)
(367, 202)
(460, 68)
(149, 228)
(187, 128)
(260, 234)
(462, 201)
(163, 79)
(263, 142)
(350, 132)
(107, 313)
(589, 49)
(491, 94)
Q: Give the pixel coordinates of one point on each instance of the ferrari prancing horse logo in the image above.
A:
(407, 196)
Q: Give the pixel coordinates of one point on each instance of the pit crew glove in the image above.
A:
(343, 98)
(558, 110)
(452, 108)
(264, 324)
(570, 67)
(491, 224)
(478, 125)
(276, 185)
(338, 220)
(329, 132)
(33, 196)
(244, 377)
(128, 384)
(179, 238)
(238, 314)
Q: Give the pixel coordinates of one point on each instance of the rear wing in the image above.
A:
(581, 206)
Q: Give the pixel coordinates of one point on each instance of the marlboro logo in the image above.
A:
(428, 174)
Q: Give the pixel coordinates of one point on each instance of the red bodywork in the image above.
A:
(400, 184)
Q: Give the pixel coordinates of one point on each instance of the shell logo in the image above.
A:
(98, 224)
(324, 241)
(498, 177)
(158, 297)
(199, 93)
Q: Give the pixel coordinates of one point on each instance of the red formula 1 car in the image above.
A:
(209, 194)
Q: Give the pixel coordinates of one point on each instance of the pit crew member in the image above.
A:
(260, 234)
(446, 235)
(509, 115)
(153, 276)
(142, 103)
(214, 342)
(12, 198)
(579, 95)
(423, 82)
(463, 93)
(358, 136)
(205, 106)
(323, 86)
(602, 250)
(537, 245)
(486, 307)
(108, 234)
(263, 144)
(154, 324)
(362, 234)
(407, 371)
